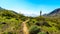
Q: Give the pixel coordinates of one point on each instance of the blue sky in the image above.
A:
(30, 7)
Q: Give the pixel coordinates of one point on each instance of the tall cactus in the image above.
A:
(40, 13)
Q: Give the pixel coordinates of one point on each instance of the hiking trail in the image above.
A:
(25, 29)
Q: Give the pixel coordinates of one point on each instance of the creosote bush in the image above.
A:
(41, 33)
(34, 29)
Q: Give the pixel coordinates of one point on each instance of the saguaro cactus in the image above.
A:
(40, 13)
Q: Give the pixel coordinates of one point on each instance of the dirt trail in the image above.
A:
(25, 29)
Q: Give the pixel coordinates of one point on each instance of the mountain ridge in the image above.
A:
(55, 12)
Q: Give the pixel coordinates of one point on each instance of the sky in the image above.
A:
(30, 7)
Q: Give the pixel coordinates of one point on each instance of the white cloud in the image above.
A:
(29, 12)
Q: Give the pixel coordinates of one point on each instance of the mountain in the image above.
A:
(10, 13)
(55, 12)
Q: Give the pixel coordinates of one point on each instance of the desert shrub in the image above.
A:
(7, 33)
(3, 23)
(41, 33)
(38, 23)
(58, 26)
(34, 29)
(46, 24)
(42, 24)
(28, 24)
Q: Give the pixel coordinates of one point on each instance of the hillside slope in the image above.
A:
(55, 12)
(10, 21)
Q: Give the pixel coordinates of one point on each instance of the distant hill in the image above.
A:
(10, 13)
(55, 12)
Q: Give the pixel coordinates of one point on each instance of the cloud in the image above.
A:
(29, 12)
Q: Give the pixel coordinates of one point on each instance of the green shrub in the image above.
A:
(7, 33)
(34, 29)
(41, 33)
